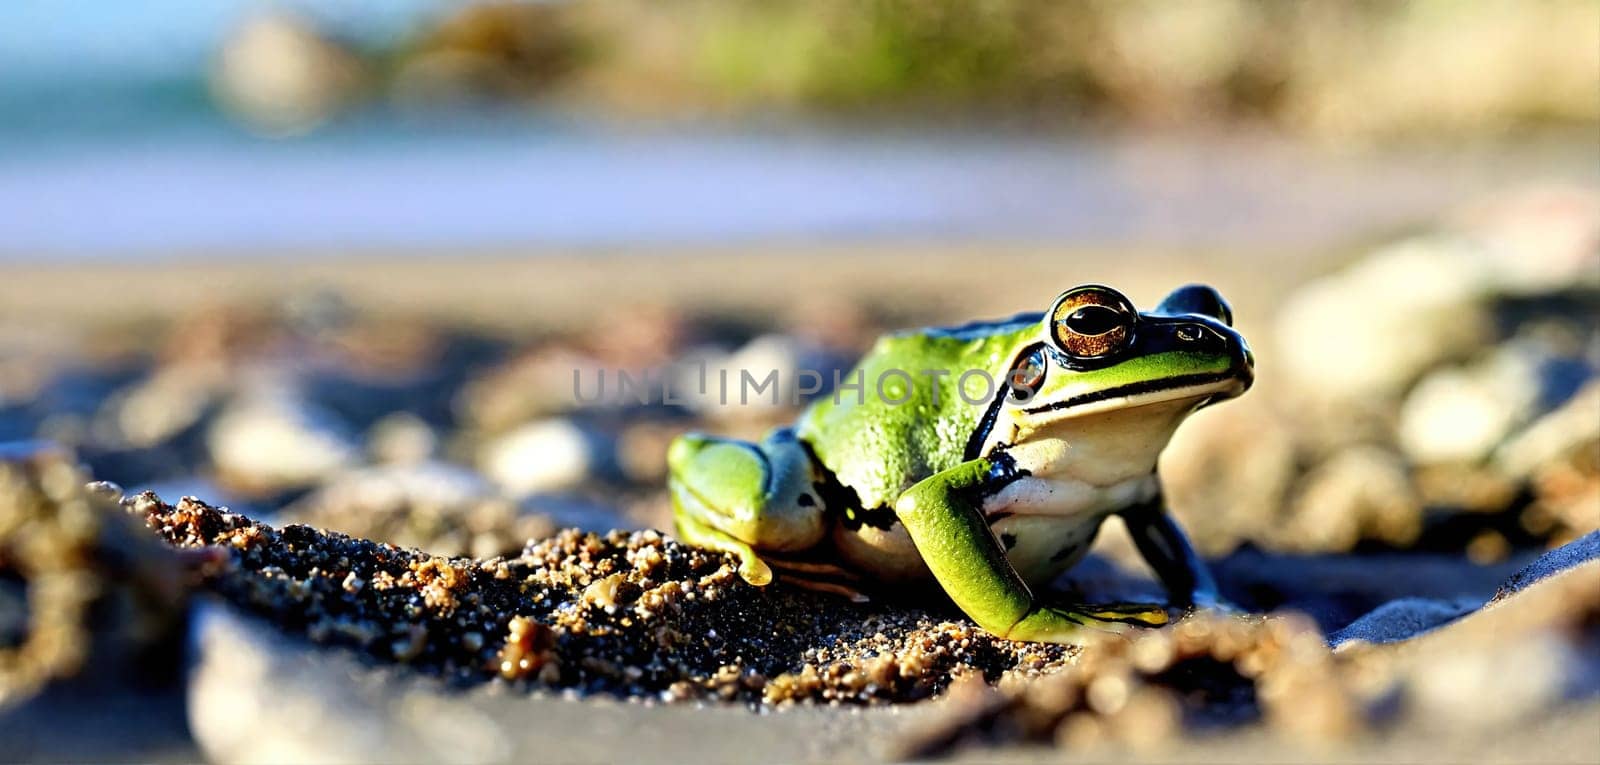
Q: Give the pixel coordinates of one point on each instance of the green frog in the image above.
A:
(982, 457)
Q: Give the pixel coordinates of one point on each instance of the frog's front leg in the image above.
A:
(742, 498)
(942, 514)
(1167, 550)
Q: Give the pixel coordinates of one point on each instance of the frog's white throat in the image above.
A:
(1104, 442)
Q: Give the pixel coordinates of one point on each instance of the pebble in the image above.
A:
(1460, 415)
(1555, 436)
(1373, 328)
(1360, 493)
(541, 456)
(276, 440)
(168, 402)
(736, 383)
(281, 75)
(402, 438)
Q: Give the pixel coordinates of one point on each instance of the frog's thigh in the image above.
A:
(729, 494)
(886, 554)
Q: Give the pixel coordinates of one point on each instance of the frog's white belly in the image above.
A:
(1041, 547)
(1048, 524)
(1045, 524)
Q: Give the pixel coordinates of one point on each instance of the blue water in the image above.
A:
(202, 188)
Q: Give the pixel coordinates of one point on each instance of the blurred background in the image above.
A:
(427, 125)
(336, 262)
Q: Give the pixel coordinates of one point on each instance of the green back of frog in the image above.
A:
(878, 447)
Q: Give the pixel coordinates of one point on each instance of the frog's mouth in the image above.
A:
(1202, 387)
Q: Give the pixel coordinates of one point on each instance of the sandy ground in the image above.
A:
(376, 715)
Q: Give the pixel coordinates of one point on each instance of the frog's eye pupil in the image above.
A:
(1093, 320)
(1093, 324)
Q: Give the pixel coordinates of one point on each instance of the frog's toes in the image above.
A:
(1138, 614)
(753, 569)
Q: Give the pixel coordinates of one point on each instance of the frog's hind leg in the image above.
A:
(962, 552)
(745, 498)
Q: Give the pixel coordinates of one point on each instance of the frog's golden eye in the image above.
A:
(1092, 322)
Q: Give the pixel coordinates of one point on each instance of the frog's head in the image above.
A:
(1099, 360)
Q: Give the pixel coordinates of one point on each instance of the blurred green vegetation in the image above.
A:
(1327, 68)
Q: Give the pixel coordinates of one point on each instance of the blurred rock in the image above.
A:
(1364, 492)
(273, 440)
(282, 76)
(537, 383)
(759, 381)
(1455, 489)
(1452, 691)
(236, 659)
(226, 335)
(257, 695)
(1559, 456)
(485, 53)
(642, 451)
(545, 455)
(30, 359)
(1371, 329)
(1451, 350)
(317, 312)
(1555, 436)
(1512, 660)
(1461, 414)
(832, 322)
(1374, 327)
(402, 438)
(171, 400)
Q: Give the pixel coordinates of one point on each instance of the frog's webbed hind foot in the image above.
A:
(1065, 624)
(744, 498)
(1136, 614)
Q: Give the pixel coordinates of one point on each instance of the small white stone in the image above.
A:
(1371, 329)
(546, 455)
(1550, 437)
(1461, 415)
(277, 440)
